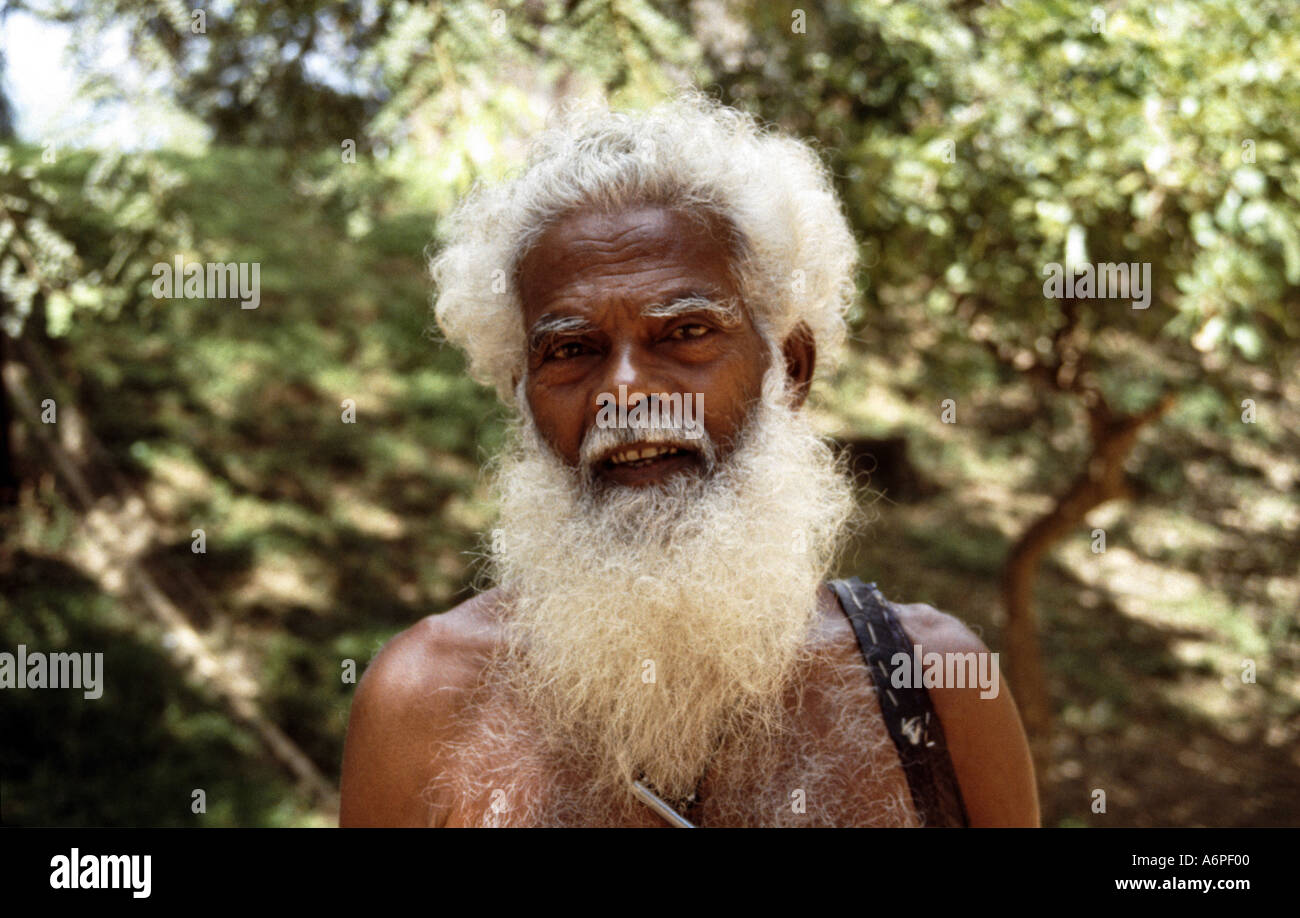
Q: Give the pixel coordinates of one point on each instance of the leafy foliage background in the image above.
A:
(972, 144)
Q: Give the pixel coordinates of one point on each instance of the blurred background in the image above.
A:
(1111, 497)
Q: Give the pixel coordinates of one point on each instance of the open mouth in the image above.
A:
(640, 456)
(640, 463)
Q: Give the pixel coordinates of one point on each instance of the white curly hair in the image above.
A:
(794, 255)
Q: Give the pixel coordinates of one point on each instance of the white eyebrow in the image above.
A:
(725, 311)
(554, 325)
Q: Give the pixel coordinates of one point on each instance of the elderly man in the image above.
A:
(659, 645)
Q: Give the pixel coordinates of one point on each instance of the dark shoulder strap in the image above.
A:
(913, 724)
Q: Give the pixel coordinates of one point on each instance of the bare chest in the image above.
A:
(834, 764)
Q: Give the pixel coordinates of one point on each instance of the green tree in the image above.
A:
(976, 145)
(259, 74)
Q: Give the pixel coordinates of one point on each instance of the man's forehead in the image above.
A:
(640, 252)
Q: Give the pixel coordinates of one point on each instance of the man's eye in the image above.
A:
(682, 332)
(567, 351)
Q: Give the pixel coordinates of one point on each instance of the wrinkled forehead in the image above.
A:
(635, 253)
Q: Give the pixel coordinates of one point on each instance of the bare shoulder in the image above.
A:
(402, 708)
(945, 632)
(438, 651)
(986, 739)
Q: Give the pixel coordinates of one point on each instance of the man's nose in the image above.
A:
(630, 369)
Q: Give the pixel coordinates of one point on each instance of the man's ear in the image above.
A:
(800, 352)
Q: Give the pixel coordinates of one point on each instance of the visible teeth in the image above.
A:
(642, 455)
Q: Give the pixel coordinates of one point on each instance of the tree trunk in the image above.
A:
(8, 470)
(1102, 479)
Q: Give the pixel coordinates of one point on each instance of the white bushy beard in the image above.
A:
(648, 625)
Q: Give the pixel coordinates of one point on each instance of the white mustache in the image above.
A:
(601, 441)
